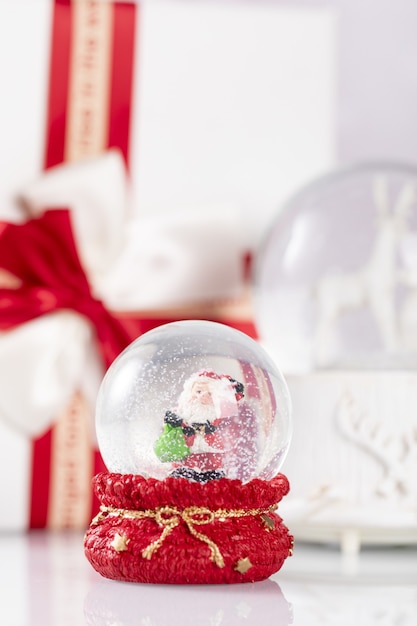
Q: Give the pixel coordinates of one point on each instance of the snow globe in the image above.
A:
(336, 304)
(193, 422)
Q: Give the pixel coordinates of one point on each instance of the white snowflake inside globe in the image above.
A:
(196, 400)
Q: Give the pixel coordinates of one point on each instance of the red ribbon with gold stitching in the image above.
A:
(88, 111)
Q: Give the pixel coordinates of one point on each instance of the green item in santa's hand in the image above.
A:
(170, 445)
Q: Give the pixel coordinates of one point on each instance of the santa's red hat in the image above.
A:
(211, 374)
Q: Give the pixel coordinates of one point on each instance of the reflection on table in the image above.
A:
(46, 581)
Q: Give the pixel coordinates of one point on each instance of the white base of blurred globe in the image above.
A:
(352, 464)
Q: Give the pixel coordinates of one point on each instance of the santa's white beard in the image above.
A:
(195, 412)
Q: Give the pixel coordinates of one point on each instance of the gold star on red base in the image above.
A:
(120, 542)
(268, 521)
(243, 565)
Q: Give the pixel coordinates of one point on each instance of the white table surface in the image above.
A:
(45, 580)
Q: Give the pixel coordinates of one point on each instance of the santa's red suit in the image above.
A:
(215, 424)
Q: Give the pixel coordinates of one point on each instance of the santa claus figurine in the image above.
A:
(204, 437)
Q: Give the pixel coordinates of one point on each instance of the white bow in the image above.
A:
(132, 263)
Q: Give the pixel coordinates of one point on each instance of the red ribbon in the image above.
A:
(41, 253)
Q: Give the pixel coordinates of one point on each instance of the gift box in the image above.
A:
(73, 296)
(156, 135)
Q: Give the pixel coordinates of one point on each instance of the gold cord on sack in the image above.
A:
(168, 517)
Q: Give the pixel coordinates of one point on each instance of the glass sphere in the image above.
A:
(197, 400)
(336, 276)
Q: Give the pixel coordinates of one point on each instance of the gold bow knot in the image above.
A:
(169, 517)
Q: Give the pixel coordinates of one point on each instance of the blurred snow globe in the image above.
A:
(335, 279)
(196, 400)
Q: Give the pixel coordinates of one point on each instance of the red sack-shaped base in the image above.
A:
(180, 532)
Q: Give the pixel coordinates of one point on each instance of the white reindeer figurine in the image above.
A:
(395, 452)
(372, 285)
